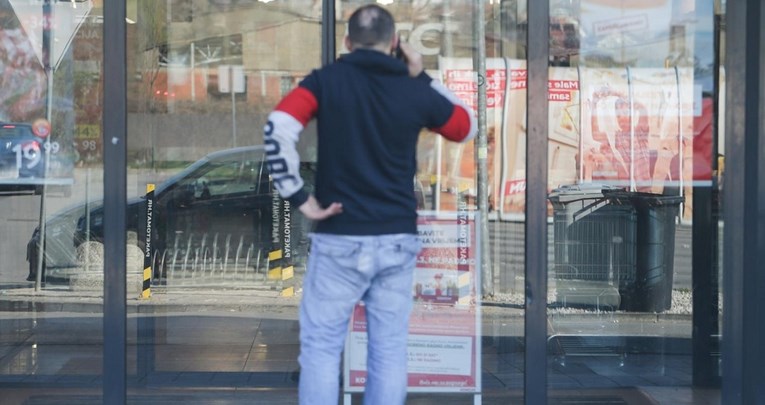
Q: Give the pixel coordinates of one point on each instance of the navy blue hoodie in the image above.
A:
(369, 114)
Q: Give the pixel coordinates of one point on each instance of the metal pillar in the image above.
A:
(328, 46)
(535, 376)
(481, 148)
(115, 202)
(743, 354)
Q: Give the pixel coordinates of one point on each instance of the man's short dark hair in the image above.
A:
(370, 25)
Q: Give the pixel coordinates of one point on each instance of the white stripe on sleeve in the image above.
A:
(282, 158)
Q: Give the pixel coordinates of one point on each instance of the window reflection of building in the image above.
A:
(199, 36)
(564, 37)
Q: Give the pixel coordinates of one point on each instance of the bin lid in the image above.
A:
(655, 200)
(582, 191)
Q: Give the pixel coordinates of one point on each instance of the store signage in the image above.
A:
(444, 328)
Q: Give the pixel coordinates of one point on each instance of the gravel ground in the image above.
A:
(682, 302)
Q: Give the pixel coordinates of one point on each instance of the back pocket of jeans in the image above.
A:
(402, 251)
(336, 262)
(344, 253)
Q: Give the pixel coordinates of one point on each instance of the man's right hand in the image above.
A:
(314, 211)
(413, 59)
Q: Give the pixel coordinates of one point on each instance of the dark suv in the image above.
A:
(211, 220)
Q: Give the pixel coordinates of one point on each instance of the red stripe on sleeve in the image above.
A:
(299, 103)
(457, 127)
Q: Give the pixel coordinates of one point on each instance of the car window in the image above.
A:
(221, 179)
(13, 131)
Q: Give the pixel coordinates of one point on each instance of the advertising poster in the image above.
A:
(630, 128)
(513, 145)
(564, 134)
(564, 130)
(444, 341)
(449, 166)
(703, 144)
(669, 124)
(564, 126)
(638, 130)
(606, 135)
(36, 129)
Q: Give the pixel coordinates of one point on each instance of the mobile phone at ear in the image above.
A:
(397, 53)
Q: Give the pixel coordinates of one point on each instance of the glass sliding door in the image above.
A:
(448, 185)
(631, 180)
(51, 175)
(223, 258)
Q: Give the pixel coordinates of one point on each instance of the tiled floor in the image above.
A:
(219, 359)
(234, 348)
(191, 396)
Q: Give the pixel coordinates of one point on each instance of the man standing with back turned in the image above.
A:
(370, 108)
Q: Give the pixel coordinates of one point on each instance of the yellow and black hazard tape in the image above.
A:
(275, 265)
(287, 285)
(147, 254)
(146, 291)
(284, 275)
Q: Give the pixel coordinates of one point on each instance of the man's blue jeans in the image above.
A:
(342, 270)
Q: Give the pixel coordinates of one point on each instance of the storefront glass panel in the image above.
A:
(224, 256)
(51, 174)
(631, 157)
(215, 261)
(447, 184)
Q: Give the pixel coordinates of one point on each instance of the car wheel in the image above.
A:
(32, 276)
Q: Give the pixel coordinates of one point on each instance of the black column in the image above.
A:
(535, 376)
(115, 202)
(743, 350)
(705, 242)
(328, 46)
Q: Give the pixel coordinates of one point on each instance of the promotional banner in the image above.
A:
(448, 167)
(607, 144)
(444, 335)
(37, 121)
(638, 130)
(665, 96)
(513, 142)
(564, 126)
(626, 127)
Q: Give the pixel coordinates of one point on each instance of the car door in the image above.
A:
(215, 215)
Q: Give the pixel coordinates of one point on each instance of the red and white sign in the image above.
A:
(444, 335)
(41, 127)
(464, 84)
(562, 90)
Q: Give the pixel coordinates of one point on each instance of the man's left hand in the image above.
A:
(314, 211)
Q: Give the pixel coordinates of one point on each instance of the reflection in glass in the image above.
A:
(204, 75)
(50, 166)
(631, 106)
(628, 152)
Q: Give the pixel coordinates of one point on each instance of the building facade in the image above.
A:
(598, 242)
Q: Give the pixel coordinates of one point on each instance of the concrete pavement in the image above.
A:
(240, 346)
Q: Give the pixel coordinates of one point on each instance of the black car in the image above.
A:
(212, 220)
